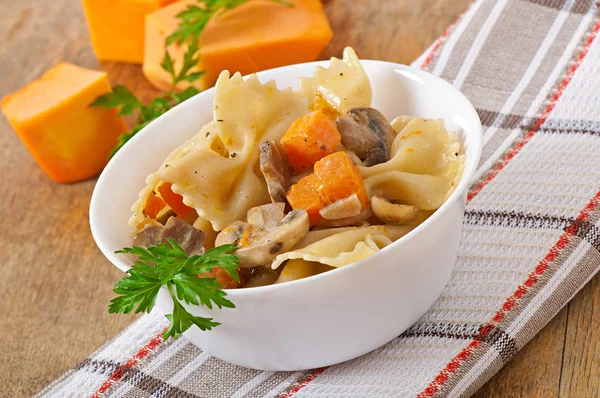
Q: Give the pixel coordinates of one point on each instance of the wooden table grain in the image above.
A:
(54, 282)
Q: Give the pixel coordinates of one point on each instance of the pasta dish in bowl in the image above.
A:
(342, 185)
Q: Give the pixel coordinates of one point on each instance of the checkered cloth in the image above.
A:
(530, 241)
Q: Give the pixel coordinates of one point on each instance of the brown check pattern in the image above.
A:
(530, 240)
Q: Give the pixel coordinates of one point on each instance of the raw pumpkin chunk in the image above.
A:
(69, 139)
(117, 27)
(254, 36)
(304, 195)
(338, 177)
(310, 138)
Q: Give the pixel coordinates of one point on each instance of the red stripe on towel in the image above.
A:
(438, 43)
(311, 376)
(510, 302)
(118, 374)
(557, 94)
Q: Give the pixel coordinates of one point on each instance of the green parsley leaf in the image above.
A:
(136, 289)
(167, 264)
(189, 62)
(207, 290)
(193, 20)
(181, 320)
(168, 64)
(120, 98)
(184, 95)
(127, 103)
(218, 255)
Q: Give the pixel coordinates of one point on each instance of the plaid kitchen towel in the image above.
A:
(530, 241)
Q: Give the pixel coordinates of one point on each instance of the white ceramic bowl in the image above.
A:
(327, 318)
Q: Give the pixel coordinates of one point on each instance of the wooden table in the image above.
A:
(55, 285)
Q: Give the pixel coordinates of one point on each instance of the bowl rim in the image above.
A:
(475, 148)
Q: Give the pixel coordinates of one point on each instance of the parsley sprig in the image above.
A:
(192, 22)
(128, 104)
(190, 60)
(167, 264)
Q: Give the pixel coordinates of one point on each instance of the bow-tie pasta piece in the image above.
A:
(424, 168)
(216, 172)
(343, 85)
(347, 246)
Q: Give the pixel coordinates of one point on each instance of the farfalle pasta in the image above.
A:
(343, 84)
(346, 246)
(301, 181)
(424, 167)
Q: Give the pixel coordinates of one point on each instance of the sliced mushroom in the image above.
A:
(345, 222)
(343, 208)
(232, 234)
(266, 234)
(260, 276)
(391, 213)
(265, 244)
(366, 132)
(266, 216)
(238, 232)
(275, 169)
(189, 238)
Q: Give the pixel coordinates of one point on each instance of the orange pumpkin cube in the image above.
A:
(69, 139)
(310, 138)
(304, 195)
(117, 27)
(338, 177)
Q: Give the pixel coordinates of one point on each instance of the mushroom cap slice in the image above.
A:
(367, 132)
(259, 217)
(357, 220)
(275, 169)
(232, 234)
(260, 276)
(266, 216)
(343, 208)
(266, 243)
(391, 213)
